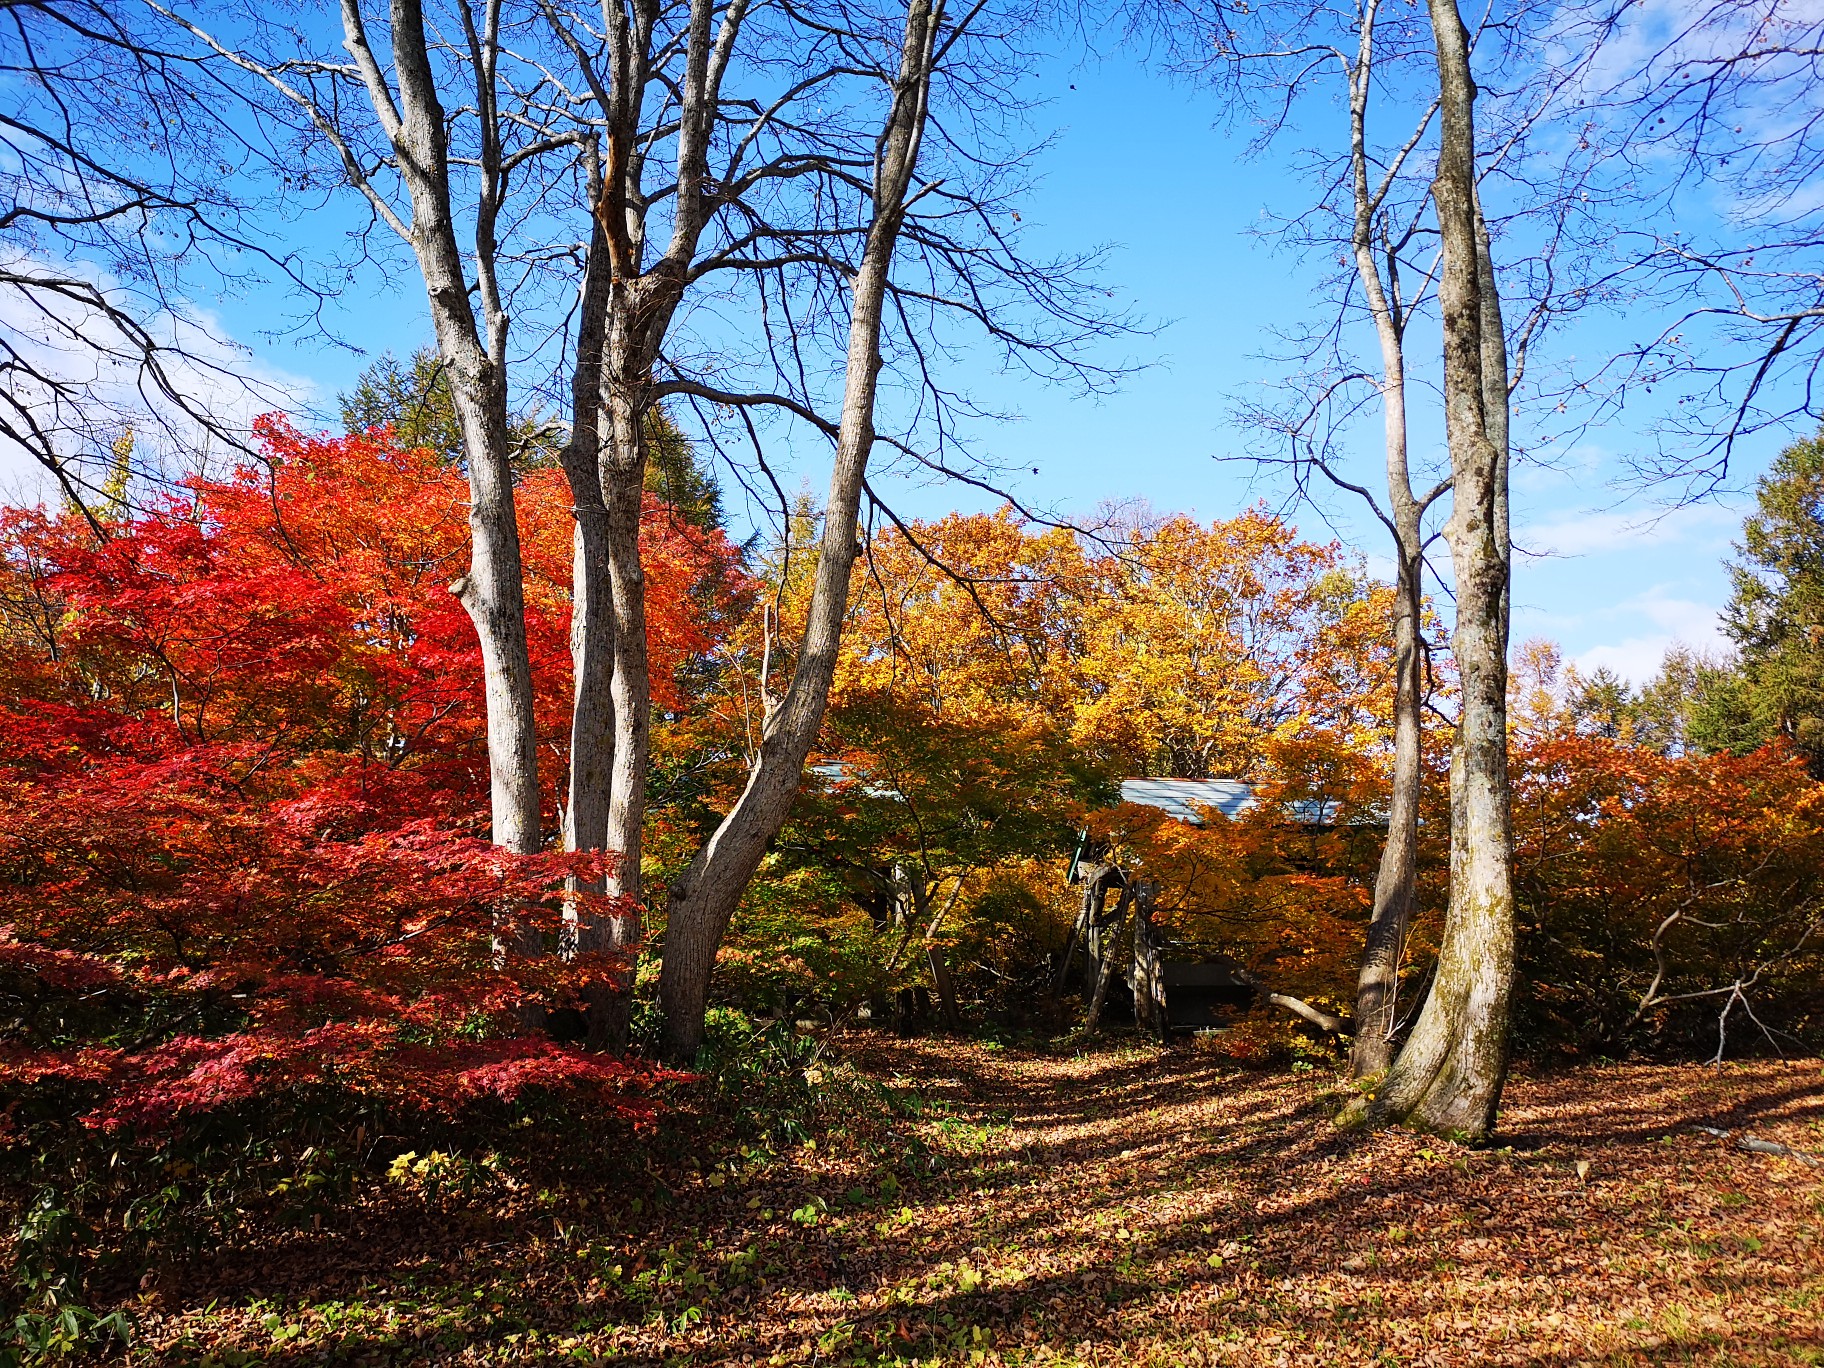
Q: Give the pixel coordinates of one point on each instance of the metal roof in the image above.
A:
(1231, 797)
(836, 772)
(1182, 797)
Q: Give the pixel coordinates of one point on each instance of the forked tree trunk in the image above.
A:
(705, 895)
(641, 303)
(624, 489)
(1396, 884)
(591, 638)
(475, 357)
(1096, 882)
(1449, 1075)
(1109, 942)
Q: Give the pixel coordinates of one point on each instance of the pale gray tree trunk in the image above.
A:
(591, 639)
(640, 303)
(591, 636)
(624, 466)
(1396, 882)
(623, 483)
(591, 607)
(1396, 897)
(474, 353)
(705, 895)
(1449, 1075)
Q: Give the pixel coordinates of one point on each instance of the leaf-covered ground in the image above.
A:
(1123, 1206)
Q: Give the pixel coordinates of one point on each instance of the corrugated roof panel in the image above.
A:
(1230, 797)
(1182, 797)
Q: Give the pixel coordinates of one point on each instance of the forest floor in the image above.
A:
(1124, 1205)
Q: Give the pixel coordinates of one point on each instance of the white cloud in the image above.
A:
(1694, 623)
(1708, 526)
(77, 346)
(1636, 660)
(1637, 657)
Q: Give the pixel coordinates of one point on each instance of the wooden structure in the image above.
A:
(1121, 943)
(1169, 992)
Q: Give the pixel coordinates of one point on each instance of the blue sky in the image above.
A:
(1614, 582)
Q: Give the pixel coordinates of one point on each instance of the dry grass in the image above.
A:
(1127, 1206)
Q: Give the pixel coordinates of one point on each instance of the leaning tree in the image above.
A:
(686, 202)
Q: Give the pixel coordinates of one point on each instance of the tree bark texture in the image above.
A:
(1396, 897)
(1449, 1075)
(630, 689)
(1396, 882)
(945, 985)
(704, 897)
(492, 590)
(641, 299)
(591, 642)
(1097, 880)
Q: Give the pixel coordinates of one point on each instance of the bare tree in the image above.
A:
(1375, 223)
(703, 898)
(1378, 268)
(1448, 1076)
(397, 154)
(121, 197)
(761, 203)
(1382, 234)
(666, 201)
(1710, 127)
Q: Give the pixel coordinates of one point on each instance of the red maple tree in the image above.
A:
(242, 782)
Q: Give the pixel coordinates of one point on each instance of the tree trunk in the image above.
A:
(641, 303)
(705, 896)
(591, 637)
(591, 729)
(492, 591)
(623, 483)
(493, 594)
(945, 986)
(1149, 969)
(1396, 882)
(1449, 1076)
(1095, 890)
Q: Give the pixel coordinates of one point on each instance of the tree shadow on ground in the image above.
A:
(1128, 1205)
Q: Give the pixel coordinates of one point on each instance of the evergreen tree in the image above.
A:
(1776, 614)
(1602, 704)
(1698, 704)
(676, 475)
(413, 400)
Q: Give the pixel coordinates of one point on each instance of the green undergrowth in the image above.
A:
(99, 1221)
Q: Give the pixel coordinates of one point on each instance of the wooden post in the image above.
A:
(1109, 935)
(1149, 969)
(1095, 889)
